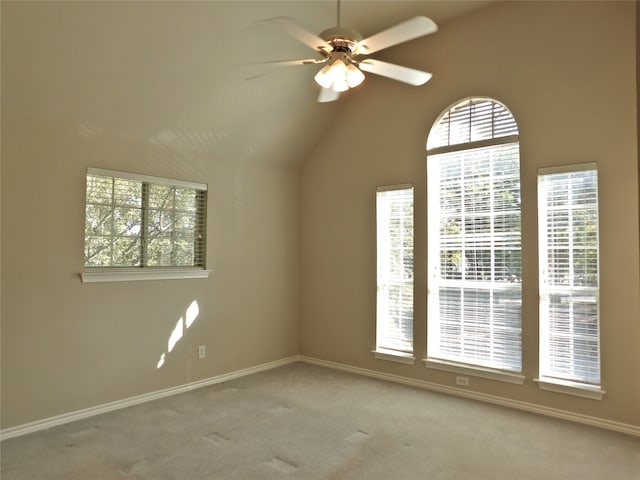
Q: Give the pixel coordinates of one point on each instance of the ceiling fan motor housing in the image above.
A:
(342, 38)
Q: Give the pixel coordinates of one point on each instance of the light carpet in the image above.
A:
(303, 421)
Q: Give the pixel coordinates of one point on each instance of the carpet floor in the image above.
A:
(302, 421)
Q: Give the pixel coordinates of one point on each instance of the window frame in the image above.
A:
(547, 380)
(92, 274)
(384, 349)
(437, 146)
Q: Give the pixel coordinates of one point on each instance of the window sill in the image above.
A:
(127, 275)
(482, 372)
(570, 388)
(393, 356)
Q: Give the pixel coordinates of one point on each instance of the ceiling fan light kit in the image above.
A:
(341, 47)
(340, 75)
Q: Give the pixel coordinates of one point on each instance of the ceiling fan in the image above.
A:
(341, 49)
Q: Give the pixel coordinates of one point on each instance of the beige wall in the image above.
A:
(68, 345)
(567, 72)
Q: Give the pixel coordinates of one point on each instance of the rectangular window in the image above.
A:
(141, 222)
(394, 318)
(474, 261)
(568, 275)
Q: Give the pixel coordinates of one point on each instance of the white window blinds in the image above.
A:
(474, 239)
(141, 221)
(472, 120)
(569, 285)
(394, 221)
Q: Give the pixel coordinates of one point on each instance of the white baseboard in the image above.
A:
(505, 402)
(45, 423)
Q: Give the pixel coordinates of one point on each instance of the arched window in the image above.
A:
(474, 241)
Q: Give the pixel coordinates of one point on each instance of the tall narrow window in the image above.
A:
(394, 318)
(569, 285)
(140, 222)
(474, 242)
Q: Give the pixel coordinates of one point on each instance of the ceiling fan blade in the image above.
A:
(296, 31)
(396, 72)
(288, 63)
(328, 95)
(403, 32)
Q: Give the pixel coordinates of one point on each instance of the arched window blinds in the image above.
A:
(473, 120)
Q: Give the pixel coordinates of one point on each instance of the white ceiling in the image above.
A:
(183, 75)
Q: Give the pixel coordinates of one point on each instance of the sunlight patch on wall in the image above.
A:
(178, 332)
(192, 313)
(161, 361)
(176, 335)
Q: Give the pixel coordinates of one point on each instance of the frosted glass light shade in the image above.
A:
(339, 76)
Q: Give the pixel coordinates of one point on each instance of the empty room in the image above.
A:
(320, 239)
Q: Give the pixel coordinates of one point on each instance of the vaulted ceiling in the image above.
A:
(184, 76)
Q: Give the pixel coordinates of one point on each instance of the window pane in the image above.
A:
(467, 332)
(127, 192)
(172, 225)
(97, 251)
(99, 220)
(127, 221)
(571, 338)
(185, 200)
(99, 190)
(113, 212)
(126, 252)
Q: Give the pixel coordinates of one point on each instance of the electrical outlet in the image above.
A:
(202, 352)
(462, 381)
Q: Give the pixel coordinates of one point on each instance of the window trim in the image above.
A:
(100, 274)
(553, 384)
(460, 147)
(116, 274)
(577, 389)
(496, 140)
(146, 178)
(474, 370)
(394, 356)
(380, 352)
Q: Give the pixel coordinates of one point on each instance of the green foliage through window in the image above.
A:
(143, 222)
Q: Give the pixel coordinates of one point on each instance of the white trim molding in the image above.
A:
(134, 275)
(570, 388)
(146, 178)
(45, 423)
(472, 371)
(393, 356)
(483, 397)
